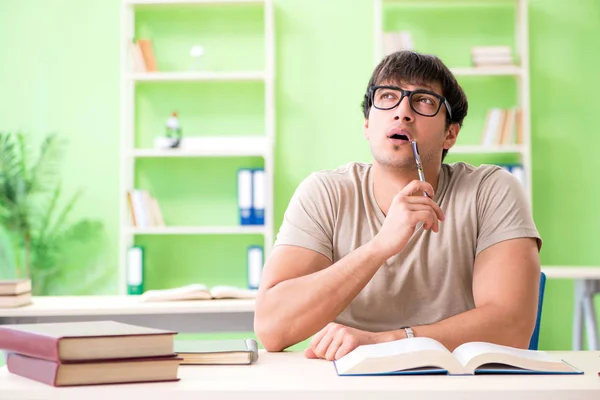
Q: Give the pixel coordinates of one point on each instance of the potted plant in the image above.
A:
(36, 235)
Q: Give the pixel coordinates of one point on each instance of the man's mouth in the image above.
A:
(399, 137)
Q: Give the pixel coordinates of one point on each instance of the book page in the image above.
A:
(396, 355)
(482, 352)
(189, 292)
(232, 292)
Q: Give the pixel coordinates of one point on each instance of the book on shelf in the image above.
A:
(396, 41)
(197, 291)
(251, 192)
(88, 340)
(483, 56)
(502, 127)
(147, 51)
(54, 373)
(137, 58)
(428, 356)
(225, 352)
(144, 209)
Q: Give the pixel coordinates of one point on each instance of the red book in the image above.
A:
(89, 340)
(158, 369)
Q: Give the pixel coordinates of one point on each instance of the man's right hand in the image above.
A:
(408, 208)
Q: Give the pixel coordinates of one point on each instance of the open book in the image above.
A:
(428, 356)
(198, 292)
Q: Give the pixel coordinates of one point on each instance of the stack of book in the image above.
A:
(89, 353)
(491, 56)
(15, 293)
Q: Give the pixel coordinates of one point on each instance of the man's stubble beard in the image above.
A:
(402, 163)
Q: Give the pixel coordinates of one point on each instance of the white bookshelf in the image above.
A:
(476, 149)
(199, 230)
(247, 76)
(520, 72)
(260, 145)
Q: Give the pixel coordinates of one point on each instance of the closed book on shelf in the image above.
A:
(88, 340)
(54, 373)
(232, 351)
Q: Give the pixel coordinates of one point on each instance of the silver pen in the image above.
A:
(413, 143)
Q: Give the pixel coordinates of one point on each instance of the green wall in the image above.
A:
(60, 71)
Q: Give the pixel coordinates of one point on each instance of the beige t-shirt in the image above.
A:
(334, 212)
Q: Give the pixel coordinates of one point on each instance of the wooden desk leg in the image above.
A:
(591, 288)
(577, 340)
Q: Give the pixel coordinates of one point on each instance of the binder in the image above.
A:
(258, 196)
(254, 266)
(244, 187)
(135, 270)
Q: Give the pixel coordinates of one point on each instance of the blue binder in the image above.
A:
(258, 196)
(244, 194)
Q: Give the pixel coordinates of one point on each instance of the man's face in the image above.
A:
(383, 127)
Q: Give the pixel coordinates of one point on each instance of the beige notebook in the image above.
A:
(231, 351)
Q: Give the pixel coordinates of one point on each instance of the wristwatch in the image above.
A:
(409, 332)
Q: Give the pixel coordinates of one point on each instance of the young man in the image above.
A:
(363, 256)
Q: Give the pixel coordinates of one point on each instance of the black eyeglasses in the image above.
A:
(423, 102)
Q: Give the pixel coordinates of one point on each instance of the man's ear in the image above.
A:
(451, 135)
(366, 128)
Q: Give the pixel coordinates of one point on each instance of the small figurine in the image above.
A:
(173, 130)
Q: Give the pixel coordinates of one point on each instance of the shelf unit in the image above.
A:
(260, 146)
(520, 72)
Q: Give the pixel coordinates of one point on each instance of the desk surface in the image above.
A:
(560, 272)
(291, 376)
(121, 305)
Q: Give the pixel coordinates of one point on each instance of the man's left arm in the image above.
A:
(506, 279)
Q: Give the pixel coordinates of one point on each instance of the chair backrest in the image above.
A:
(533, 343)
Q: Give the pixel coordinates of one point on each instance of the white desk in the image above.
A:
(182, 316)
(587, 285)
(290, 376)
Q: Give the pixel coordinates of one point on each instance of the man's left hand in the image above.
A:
(335, 341)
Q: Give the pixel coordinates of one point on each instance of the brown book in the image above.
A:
(94, 373)
(93, 340)
(11, 287)
(148, 54)
(15, 300)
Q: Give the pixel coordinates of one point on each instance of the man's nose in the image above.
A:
(403, 111)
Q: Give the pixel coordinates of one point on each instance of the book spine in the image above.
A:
(30, 344)
(43, 371)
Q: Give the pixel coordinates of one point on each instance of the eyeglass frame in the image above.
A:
(409, 93)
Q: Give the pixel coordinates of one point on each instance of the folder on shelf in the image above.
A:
(258, 197)
(255, 265)
(135, 270)
(244, 181)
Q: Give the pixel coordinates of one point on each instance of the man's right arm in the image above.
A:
(301, 291)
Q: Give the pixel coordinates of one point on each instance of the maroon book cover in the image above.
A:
(46, 371)
(42, 340)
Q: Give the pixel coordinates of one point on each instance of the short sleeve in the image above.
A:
(503, 211)
(309, 218)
